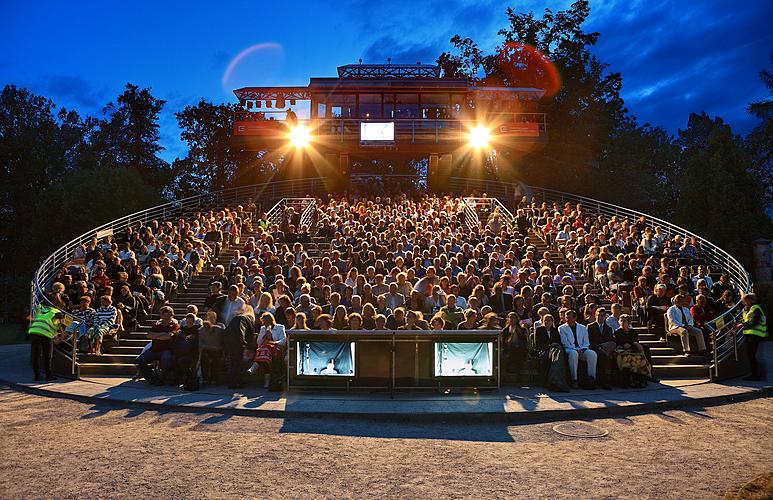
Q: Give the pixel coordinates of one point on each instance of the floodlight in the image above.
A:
(479, 137)
(299, 136)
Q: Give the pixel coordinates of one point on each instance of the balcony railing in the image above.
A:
(406, 130)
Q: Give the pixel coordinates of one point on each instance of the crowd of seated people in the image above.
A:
(413, 264)
(129, 276)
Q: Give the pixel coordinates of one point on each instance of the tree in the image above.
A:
(584, 108)
(128, 135)
(211, 162)
(719, 199)
(86, 198)
(643, 162)
(759, 142)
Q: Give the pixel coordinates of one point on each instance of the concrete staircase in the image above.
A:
(669, 361)
(119, 359)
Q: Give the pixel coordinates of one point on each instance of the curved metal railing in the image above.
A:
(723, 327)
(724, 332)
(265, 194)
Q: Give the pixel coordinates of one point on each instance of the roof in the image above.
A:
(381, 71)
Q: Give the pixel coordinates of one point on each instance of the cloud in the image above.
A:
(76, 91)
(401, 53)
(679, 57)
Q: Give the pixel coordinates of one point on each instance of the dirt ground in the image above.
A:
(52, 448)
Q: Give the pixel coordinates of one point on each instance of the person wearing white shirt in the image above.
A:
(231, 305)
(574, 338)
(680, 323)
(394, 299)
(271, 335)
(702, 276)
(126, 253)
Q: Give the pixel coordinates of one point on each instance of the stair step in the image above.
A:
(680, 371)
(677, 359)
(125, 350)
(108, 369)
(107, 358)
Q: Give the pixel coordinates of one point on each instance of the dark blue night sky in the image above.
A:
(675, 56)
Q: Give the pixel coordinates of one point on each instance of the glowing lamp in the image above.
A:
(479, 137)
(299, 136)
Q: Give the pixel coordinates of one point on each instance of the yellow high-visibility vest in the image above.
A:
(45, 322)
(760, 329)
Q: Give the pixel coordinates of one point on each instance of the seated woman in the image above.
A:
(470, 320)
(614, 275)
(270, 352)
(515, 343)
(104, 321)
(355, 322)
(490, 322)
(300, 322)
(631, 359)
(551, 357)
(368, 317)
(381, 322)
(414, 321)
(437, 323)
(340, 318)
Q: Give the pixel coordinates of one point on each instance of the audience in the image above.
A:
(388, 263)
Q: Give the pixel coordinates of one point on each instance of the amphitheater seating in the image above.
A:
(119, 359)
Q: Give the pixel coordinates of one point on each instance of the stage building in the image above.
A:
(373, 111)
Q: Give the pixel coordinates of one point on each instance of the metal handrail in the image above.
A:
(54, 263)
(493, 204)
(507, 193)
(471, 219)
(308, 215)
(723, 330)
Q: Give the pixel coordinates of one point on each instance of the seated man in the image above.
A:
(161, 334)
(657, 305)
(602, 342)
(451, 313)
(680, 322)
(574, 338)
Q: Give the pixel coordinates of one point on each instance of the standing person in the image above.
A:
(754, 330)
(210, 346)
(230, 305)
(291, 118)
(185, 353)
(576, 342)
(237, 337)
(46, 323)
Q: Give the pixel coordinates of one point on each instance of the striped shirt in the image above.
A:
(105, 315)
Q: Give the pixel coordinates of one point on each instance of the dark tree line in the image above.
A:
(706, 178)
(64, 173)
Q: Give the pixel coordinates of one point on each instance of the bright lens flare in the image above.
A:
(299, 136)
(479, 137)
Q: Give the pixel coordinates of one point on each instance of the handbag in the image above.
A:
(264, 354)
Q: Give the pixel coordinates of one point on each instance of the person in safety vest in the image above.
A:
(45, 325)
(754, 330)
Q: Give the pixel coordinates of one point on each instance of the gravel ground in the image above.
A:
(54, 448)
